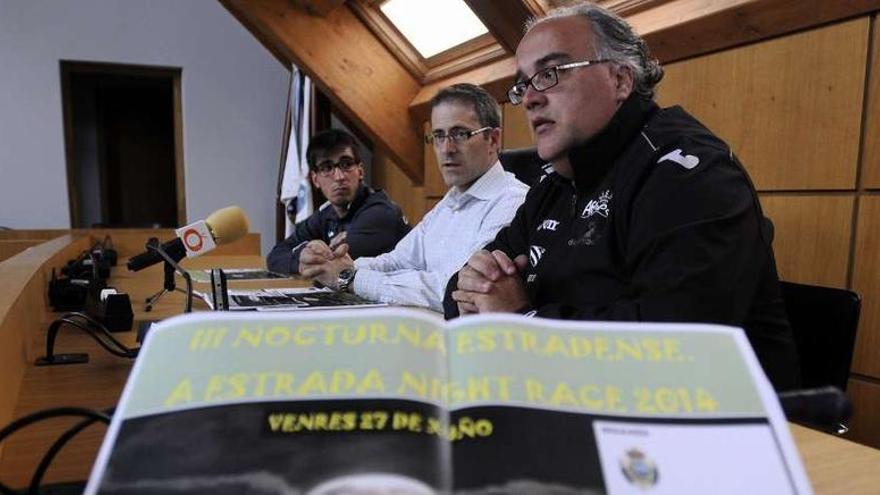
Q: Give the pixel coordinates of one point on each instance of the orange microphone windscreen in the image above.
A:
(228, 224)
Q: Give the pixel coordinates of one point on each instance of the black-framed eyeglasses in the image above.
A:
(346, 164)
(545, 79)
(457, 136)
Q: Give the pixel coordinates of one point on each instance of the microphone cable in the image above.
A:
(44, 414)
(95, 329)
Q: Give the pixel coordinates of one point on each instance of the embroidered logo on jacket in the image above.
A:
(535, 254)
(598, 206)
(590, 237)
(548, 224)
(686, 161)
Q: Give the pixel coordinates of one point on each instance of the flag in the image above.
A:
(295, 186)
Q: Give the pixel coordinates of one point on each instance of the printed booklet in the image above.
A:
(397, 401)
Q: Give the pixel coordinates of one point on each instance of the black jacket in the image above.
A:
(661, 223)
(374, 224)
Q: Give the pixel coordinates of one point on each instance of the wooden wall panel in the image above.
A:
(44, 234)
(871, 157)
(864, 424)
(866, 281)
(812, 237)
(516, 132)
(388, 176)
(434, 185)
(23, 311)
(789, 107)
(10, 248)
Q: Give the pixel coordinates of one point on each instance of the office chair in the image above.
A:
(824, 321)
(525, 164)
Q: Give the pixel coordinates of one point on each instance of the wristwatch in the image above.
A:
(345, 279)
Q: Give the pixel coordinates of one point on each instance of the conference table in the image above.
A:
(833, 464)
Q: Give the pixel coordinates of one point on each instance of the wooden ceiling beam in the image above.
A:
(360, 76)
(505, 20)
(317, 7)
(679, 29)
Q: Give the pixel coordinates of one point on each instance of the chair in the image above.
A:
(824, 322)
(525, 164)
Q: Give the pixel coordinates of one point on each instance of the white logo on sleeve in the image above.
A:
(535, 254)
(686, 161)
(549, 224)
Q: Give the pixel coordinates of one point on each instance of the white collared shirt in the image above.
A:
(415, 273)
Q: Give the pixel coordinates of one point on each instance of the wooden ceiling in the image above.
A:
(368, 74)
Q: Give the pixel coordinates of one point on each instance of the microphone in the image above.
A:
(221, 227)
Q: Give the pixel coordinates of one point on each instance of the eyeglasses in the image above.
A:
(326, 168)
(545, 79)
(457, 136)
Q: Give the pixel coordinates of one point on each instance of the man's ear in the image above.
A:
(495, 138)
(314, 177)
(624, 80)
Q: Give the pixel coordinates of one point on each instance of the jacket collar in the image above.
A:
(593, 159)
(360, 196)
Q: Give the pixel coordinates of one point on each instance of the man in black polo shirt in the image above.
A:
(648, 216)
(363, 218)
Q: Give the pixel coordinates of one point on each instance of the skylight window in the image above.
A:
(436, 26)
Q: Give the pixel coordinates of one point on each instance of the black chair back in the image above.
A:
(824, 322)
(524, 163)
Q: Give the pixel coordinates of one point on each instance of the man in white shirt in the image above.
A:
(483, 198)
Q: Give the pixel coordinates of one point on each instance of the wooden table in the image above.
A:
(834, 465)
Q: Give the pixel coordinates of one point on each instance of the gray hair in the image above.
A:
(487, 109)
(615, 40)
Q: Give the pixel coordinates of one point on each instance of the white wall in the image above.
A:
(234, 94)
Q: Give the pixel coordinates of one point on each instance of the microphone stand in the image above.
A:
(170, 267)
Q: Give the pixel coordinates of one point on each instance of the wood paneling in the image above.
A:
(387, 176)
(10, 248)
(496, 78)
(430, 203)
(96, 384)
(871, 157)
(685, 28)
(361, 77)
(864, 425)
(505, 20)
(23, 311)
(516, 132)
(813, 235)
(790, 108)
(866, 281)
(434, 185)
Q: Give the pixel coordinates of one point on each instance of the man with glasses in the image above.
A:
(363, 219)
(466, 135)
(648, 216)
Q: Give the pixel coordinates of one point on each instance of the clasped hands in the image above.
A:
(320, 262)
(491, 282)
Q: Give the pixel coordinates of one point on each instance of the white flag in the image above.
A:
(295, 184)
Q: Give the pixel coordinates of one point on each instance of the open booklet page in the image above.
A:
(396, 401)
(290, 299)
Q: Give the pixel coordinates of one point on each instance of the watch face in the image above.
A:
(346, 274)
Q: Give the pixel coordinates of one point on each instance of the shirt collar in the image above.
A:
(488, 186)
(593, 159)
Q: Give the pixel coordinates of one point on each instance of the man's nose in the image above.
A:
(533, 98)
(338, 174)
(447, 145)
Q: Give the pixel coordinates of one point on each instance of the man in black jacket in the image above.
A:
(363, 218)
(647, 217)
